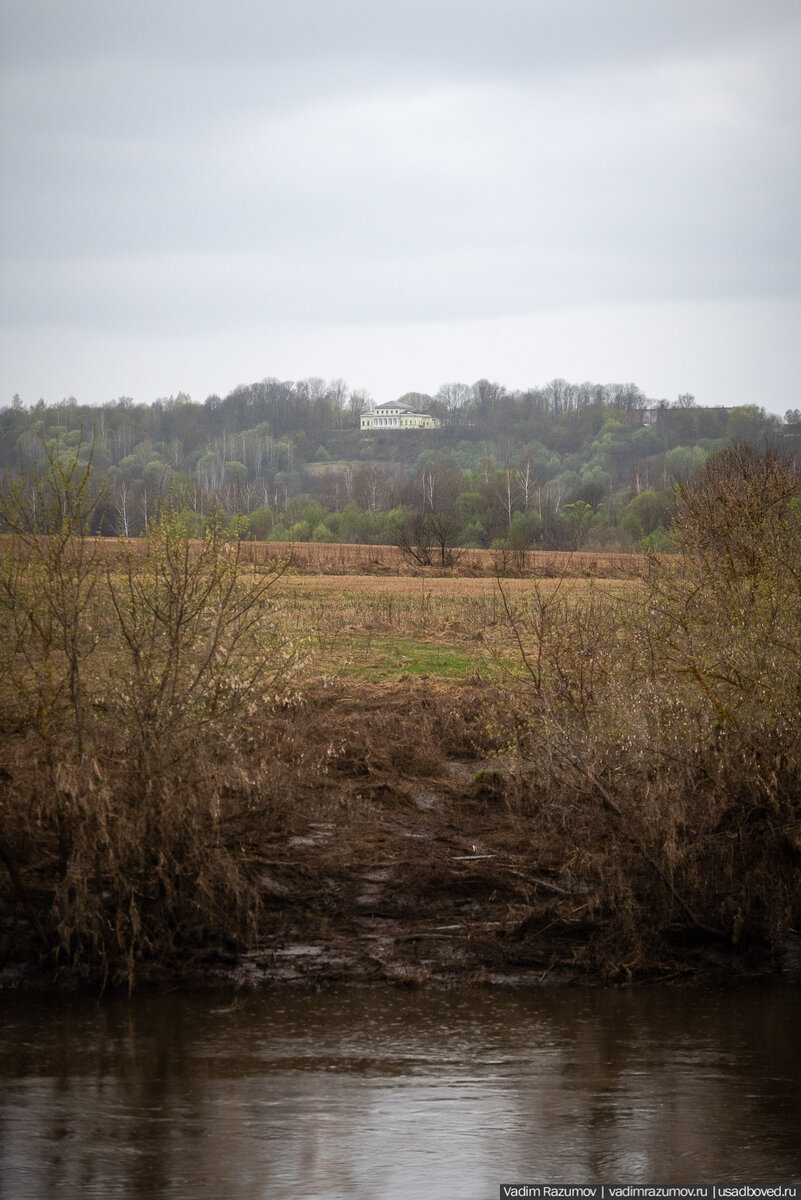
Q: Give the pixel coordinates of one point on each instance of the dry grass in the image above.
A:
(354, 620)
(453, 589)
(340, 558)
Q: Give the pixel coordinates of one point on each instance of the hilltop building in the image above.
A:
(397, 416)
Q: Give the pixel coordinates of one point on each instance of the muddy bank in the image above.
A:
(412, 833)
(417, 880)
(442, 892)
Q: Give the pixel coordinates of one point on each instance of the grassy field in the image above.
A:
(387, 627)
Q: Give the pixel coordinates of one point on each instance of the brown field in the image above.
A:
(341, 558)
(439, 588)
(364, 610)
(385, 627)
(345, 559)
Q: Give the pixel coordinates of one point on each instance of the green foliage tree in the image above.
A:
(550, 440)
(260, 522)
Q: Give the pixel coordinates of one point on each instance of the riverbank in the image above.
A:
(406, 845)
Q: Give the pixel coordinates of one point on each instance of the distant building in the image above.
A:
(685, 425)
(666, 412)
(398, 416)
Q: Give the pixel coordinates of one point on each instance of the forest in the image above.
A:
(562, 466)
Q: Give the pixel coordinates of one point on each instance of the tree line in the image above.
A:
(556, 466)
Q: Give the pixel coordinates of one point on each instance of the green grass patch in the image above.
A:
(386, 658)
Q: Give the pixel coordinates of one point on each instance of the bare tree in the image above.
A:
(526, 483)
(359, 401)
(454, 400)
(444, 529)
(122, 506)
(414, 539)
(427, 539)
(508, 494)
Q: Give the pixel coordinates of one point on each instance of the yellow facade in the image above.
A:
(397, 416)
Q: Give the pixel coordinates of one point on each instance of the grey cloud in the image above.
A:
(479, 36)
(182, 166)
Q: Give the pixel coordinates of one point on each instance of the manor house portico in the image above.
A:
(397, 416)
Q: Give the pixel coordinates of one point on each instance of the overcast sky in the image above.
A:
(403, 193)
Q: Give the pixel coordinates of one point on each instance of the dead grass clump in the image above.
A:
(407, 729)
(382, 731)
(119, 877)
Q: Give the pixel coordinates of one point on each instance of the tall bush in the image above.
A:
(662, 734)
(131, 689)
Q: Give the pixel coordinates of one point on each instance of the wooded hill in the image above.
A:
(557, 467)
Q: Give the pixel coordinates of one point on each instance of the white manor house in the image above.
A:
(397, 416)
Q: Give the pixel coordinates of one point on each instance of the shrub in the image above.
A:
(130, 691)
(663, 736)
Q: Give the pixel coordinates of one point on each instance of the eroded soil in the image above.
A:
(398, 852)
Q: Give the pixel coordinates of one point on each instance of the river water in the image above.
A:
(396, 1094)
